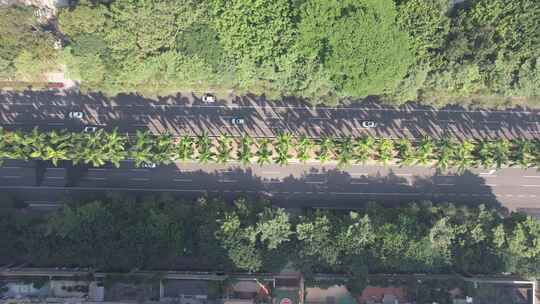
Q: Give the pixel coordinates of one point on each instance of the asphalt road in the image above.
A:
(186, 114)
(293, 186)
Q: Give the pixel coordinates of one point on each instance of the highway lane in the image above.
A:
(296, 185)
(186, 114)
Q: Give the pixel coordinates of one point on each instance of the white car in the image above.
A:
(148, 165)
(209, 98)
(90, 129)
(77, 115)
(368, 124)
(237, 121)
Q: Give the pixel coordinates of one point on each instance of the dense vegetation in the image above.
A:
(103, 147)
(480, 51)
(26, 49)
(160, 232)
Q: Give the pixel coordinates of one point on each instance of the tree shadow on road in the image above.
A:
(316, 187)
(294, 116)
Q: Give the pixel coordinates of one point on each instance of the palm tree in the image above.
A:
(304, 147)
(406, 152)
(59, 146)
(142, 149)
(204, 145)
(326, 146)
(163, 148)
(463, 156)
(425, 150)
(264, 154)
(115, 147)
(345, 152)
(283, 145)
(18, 147)
(523, 153)
(184, 148)
(501, 152)
(447, 150)
(385, 150)
(244, 153)
(485, 156)
(224, 149)
(37, 141)
(4, 145)
(363, 149)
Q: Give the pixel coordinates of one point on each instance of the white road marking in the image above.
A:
(139, 170)
(96, 169)
(183, 180)
(10, 167)
(314, 182)
(272, 181)
(139, 179)
(532, 176)
(403, 174)
(445, 184)
(536, 186)
(358, 174)
(96, 178)
(491, 185)
(55, 177)
(11, 176)
(227, 181)
(488, 173)
(55, 124)
(358, 183)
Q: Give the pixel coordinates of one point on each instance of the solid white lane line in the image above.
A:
(55, 177)
(96, 169)
(445, 184)
(358, 183)
(56, 169)
(532, 176)
(536, 186)
(10, 167)
(11, 176)
(491, 185)
(314, 182)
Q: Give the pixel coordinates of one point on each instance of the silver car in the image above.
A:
(368, 124)
(209, 98)
(237, 121)
(75, 115)
(90, 129)
(148, 165)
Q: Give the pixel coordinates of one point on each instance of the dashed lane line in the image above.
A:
(245, 191)
(187, 180)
